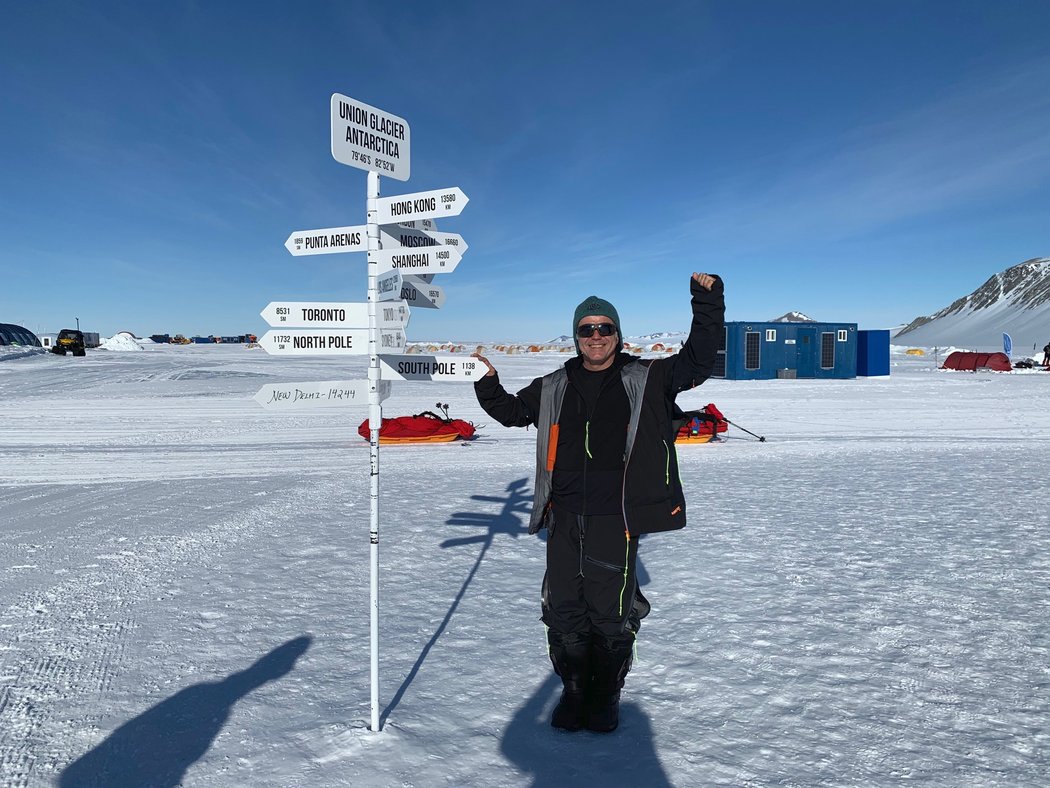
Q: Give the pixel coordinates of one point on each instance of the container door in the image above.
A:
(806, 352)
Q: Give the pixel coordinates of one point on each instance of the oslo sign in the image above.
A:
(424, 260)
(422, 294)
(317, 394)
(417, 367)
(421, 205)
(330, 240)
(369, 138)
(329, 314)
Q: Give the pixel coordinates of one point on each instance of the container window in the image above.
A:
(752, 354)
(827, 350)
(842, 335)
(771, 335)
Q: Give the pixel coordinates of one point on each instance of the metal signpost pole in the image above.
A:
(375, 421)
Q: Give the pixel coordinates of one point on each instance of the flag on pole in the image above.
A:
(1008, 344)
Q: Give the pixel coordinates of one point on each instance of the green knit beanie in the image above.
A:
(592, 305)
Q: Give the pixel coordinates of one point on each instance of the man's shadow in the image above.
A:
(557, 759)
(155, 749)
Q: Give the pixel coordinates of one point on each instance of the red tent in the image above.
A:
(971, 362)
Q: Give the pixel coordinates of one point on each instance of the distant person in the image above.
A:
(1046, 355)
(606, 471)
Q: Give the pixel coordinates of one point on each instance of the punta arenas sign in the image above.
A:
(330, 240)
(369, 138)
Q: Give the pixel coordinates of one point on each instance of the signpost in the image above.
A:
(388, 285)
(400, 238)
(418, 367)
(330, 240)
(425, 260)
(369, 138)
(317, 394)
(403, 236)
(421, 294)
(330, 314)
(421, 205)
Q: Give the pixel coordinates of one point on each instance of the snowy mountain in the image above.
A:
(793, 317)
(1015, 301)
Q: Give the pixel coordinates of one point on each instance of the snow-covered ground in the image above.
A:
(862, 600)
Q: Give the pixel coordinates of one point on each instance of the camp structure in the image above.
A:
(966, 361)
(762, 351)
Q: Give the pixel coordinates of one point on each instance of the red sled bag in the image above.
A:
(426, 427)
(701, 426)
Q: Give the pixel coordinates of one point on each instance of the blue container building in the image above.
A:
(761, 351)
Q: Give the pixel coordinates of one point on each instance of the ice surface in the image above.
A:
(861, 600)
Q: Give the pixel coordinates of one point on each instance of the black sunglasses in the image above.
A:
(603, 329)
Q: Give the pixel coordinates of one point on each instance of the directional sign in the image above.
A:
(318, 394)
(417, 367)
(392, 340)
(306, 342)
(329, 314)
(421, 205)
(391, 314)
(369, 138)
(388, 286)
(421, 294)
(330, 240)
(424, 260)
(398, 236)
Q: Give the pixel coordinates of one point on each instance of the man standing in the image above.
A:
(606, 471)
(1046, 355)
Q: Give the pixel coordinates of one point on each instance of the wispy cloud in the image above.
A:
(983, 142)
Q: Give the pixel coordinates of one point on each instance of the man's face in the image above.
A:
(597, 350)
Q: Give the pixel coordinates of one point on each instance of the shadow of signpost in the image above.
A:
(507, 521)
(155, 749)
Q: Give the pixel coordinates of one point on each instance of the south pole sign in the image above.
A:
(404, 251)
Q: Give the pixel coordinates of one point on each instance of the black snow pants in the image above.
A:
(591, 584)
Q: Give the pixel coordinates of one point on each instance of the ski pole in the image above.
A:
(761, 438)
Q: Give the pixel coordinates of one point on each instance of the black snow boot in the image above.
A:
(610, 661)
(570, 655)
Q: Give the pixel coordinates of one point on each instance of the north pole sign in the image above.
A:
(369, 138)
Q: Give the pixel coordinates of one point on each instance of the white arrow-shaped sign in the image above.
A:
(400, 236)
(424, 260)
(335, 342)
(307, 342)
(388, 286)
(418, 367)
(330, 314)
(421, 205)
(318, 394)
(329, 240)
(422, 294)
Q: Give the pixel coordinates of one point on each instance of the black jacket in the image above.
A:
(589, 470)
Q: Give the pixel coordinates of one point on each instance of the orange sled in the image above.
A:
(424, 427)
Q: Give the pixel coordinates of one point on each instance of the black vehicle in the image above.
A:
(69, 339)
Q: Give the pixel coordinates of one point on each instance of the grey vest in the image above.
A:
(552, 394)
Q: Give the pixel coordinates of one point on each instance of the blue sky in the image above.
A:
(864, 162)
